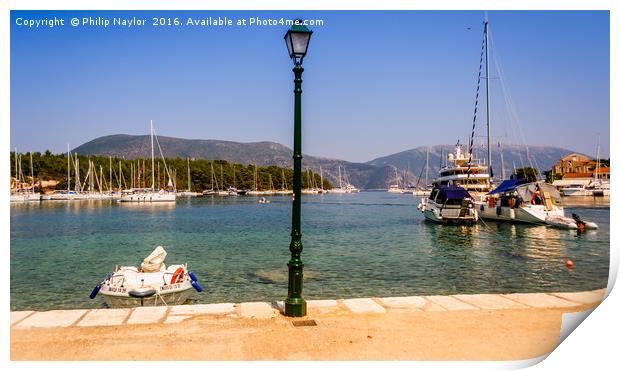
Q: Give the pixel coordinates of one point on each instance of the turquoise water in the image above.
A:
(358, 245)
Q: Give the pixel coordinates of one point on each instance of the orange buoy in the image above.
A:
(569, 264)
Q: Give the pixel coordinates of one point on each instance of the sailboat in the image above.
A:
(188, 192)
(151, 194)
(212, 191)
(254, 191)
(425, 191)
(514, 200)
(283, 190)
(24, 194)
(395, 188)
(339, 189)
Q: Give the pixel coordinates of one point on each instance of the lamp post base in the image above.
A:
(295, 307)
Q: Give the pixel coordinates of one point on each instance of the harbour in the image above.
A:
(363, 244)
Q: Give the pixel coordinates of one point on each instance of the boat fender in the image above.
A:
(196, 286)
(95, 291)
(481, 207)
(498, 210)
(192, 276)
(512, 214)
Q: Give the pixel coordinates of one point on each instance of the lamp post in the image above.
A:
(297, 39)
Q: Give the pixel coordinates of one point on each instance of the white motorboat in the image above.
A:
(151, 284)
(450, 205)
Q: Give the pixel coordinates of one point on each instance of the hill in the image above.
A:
(377, 173)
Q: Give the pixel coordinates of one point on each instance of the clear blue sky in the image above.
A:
(375, 82)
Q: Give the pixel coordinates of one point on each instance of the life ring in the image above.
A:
(178, 275)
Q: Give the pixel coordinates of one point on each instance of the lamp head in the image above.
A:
(297, 39)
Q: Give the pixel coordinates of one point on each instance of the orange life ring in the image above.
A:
(178, 275)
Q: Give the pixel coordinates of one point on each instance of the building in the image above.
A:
(577, 169)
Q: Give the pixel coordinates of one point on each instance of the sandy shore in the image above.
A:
(461, 327)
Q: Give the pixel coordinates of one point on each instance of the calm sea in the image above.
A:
(357, 245)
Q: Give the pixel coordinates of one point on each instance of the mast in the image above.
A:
(598, 158)
(501, 156)
(426, 178)
(339, 177)
(152, 160)
(68, 169)
(110, 185)
(32, 172)
(321, 171)
(189, 187)
(486, 67)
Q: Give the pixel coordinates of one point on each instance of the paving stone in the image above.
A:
(142, 315)
(490, 301)
(364, 305)
(540, 300)
(199, 309)
(585, 297)
(18, 316)
(105, 317)
(322, 303)
(259, 310)
(408, 302)
(176, 319)
(448, 303)
(52, 318)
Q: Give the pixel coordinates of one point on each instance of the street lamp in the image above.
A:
(297, 39)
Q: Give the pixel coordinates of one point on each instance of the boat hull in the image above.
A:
(173, 297)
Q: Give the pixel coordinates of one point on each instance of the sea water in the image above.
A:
(370, 244)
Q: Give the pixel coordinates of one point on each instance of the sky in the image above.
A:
(375, 82)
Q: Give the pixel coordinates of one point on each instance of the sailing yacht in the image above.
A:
(395, 188)
(150, 194)
(212, 191)
(426, 191)
(188, 192)
(24, 194)
(339, 189)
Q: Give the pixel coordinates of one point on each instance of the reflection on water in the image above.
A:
(367, 244)
(586, 201)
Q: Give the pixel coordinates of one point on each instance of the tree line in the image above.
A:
(117, 173)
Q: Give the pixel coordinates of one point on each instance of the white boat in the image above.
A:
(465, 171)
(570, 223)
(188, 192)
(263, 200)
(515, 200)
(450, 205)
(151, 284)
(395, 188)
(574, 190)
(150, 194)
(25, 194)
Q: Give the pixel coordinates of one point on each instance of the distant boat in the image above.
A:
(150, 194)
(24, 194)
(188, 192)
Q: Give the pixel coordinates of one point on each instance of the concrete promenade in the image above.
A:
(456, 327)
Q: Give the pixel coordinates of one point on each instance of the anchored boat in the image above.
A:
(449, 204)
(151, 284)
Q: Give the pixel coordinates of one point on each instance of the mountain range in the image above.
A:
(374, 174)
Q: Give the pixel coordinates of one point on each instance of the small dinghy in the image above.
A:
(152, 284)
(570, 223)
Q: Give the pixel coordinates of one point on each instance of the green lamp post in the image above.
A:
(297, 39)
